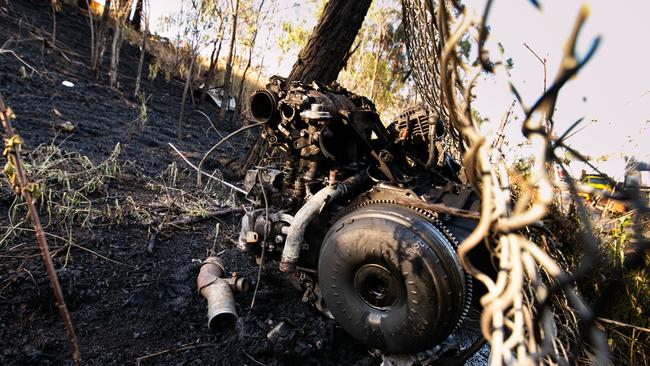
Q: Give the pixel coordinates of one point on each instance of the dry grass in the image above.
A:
(173, 62)
(65, 181)
(72, 194)
(173, 195)
(628, 298)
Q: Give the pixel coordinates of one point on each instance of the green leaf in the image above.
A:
(465, 47)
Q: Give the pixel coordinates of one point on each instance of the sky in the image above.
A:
(612, 92)
(275, 62)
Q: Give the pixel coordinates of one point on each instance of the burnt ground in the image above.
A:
(127, 302)
(143, 302)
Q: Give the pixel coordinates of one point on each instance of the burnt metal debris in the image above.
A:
(366, 216)
(219, 290)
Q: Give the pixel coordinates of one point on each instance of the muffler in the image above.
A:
(219, 292)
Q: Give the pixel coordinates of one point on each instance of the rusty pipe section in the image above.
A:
(311, 209)
(219, 292)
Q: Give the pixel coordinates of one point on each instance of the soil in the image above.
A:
(128, 304)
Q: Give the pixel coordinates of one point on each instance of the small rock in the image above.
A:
(22, 72)
(282, 335)
(66, 126)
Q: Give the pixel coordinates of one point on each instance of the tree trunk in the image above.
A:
(115, 55)
(145, 34)
(92, 30)
(100, 42)
(122, 12)
(214, 60)
(188, 82)
(325, 53)
(243, 81)
(55, 5)
(136, 21)
(225, 100)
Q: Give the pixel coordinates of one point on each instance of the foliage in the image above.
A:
(630, 302)
(294, 36)
(377, 68)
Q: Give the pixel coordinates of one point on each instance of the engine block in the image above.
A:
(343, 213)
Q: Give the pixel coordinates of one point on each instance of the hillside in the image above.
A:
(129, 296)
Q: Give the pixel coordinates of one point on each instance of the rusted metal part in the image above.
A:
(219, 292)
(419, 126)
(303, 217)
(264, 105)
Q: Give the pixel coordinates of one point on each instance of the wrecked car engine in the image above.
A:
(367, 217)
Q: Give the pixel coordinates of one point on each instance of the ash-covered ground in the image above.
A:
(130, 304)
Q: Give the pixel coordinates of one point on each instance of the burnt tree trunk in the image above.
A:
(114, 63)
(122, 9)
(55, 5)
(214, 59)
(100, 41)
(145, 34)
(225, 100)
(92, 30)
(188, 83)
(327, 49)
(242, 84)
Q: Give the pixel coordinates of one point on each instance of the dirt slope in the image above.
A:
(143, 302)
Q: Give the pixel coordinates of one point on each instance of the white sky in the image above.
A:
(612, 92)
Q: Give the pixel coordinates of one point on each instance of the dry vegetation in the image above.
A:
(172, 62)
(69, 189)
(533, 311)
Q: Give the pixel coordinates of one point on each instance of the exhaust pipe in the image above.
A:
(219, 292)
(264, 106)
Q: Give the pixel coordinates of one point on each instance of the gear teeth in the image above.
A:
(469, 281)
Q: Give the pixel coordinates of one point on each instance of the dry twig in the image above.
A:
(16, 172)
(199, 171)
